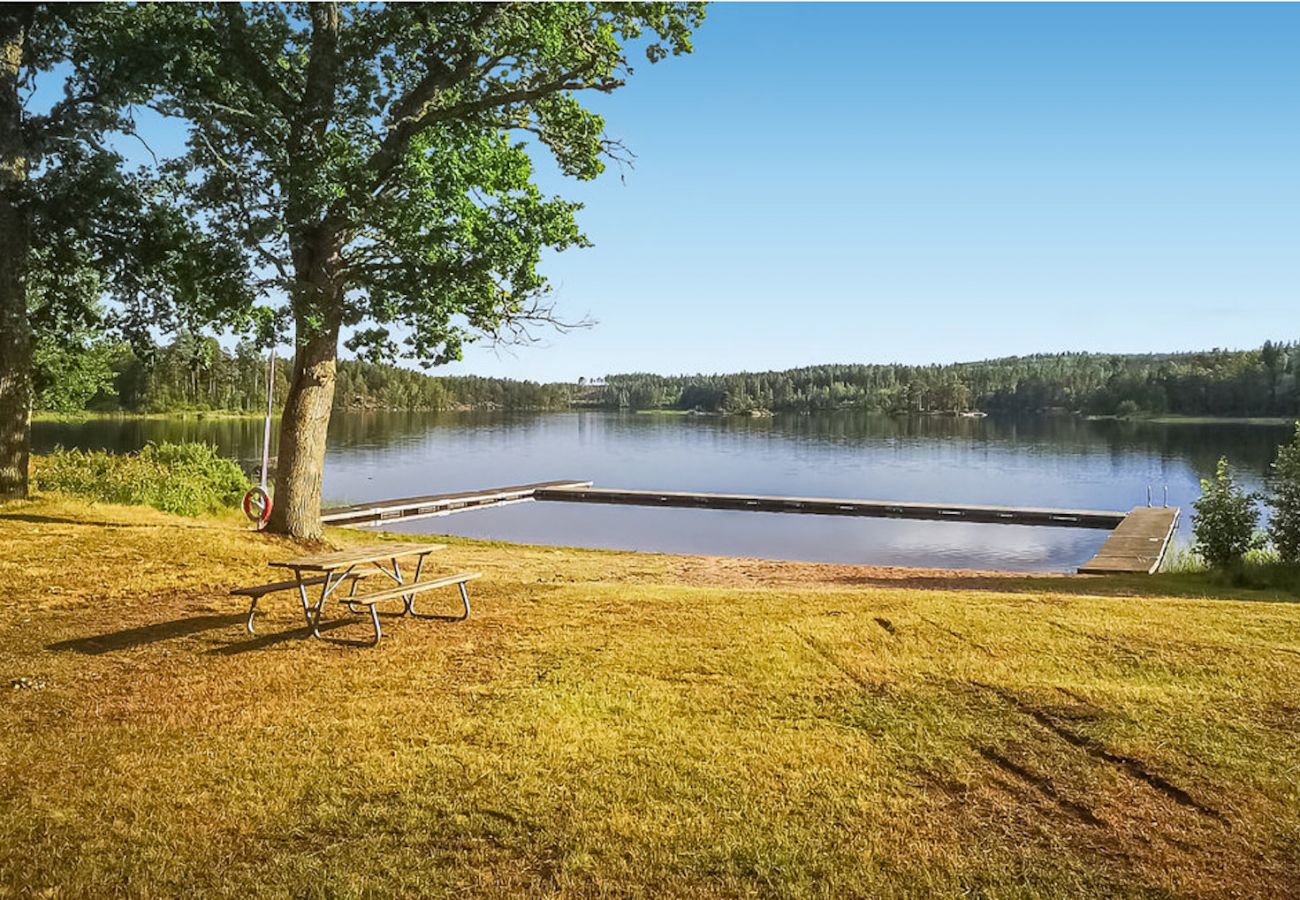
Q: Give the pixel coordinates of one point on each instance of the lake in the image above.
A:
(1047, 461)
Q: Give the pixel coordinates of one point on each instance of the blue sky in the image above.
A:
(831, 183)
(934, 182)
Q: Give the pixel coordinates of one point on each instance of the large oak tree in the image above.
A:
(373, 160)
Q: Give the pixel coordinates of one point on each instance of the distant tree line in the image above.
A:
(1260, 382)
(197, 373)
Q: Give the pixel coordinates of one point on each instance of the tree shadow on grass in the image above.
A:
(264, 641)
(126, 639)
(146, 634)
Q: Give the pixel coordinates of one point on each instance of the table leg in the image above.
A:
(396, 575)
(352, 592)
(312, 613)
(306, 604)
(409, 599)
(464, 598)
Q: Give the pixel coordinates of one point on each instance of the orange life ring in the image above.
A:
(257, 505)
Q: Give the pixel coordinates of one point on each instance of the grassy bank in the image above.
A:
(622, 723)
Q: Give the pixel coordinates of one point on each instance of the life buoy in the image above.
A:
(257, 505)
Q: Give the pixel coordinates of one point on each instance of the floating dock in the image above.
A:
(825, 506)
(378, 511)
(1138, 543)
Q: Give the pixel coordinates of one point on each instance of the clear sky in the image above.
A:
(934, 182)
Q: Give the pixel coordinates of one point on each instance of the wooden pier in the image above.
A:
(377, 511)
(825, 506)
(1138, 543)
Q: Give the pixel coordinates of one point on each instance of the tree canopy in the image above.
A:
(374, 163)
(383, 143)
(75, 226)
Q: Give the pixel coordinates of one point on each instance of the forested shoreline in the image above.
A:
(1260, 382)
(195, 373)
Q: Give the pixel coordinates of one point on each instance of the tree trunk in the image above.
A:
(300, 462)
(15, 331)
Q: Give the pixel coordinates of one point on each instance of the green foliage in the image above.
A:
(99, 231)
(77, 229)
(1284, 498)
(363, 385)
(197, 374)
(1262, 382)
(1260, 569)
(1225, 521)
(188, 479)
(68, 376)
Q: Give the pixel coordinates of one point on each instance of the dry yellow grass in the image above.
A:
(632, 724)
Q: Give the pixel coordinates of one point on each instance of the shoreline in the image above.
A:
(1197, 420)
(43, 416)
(95, 416)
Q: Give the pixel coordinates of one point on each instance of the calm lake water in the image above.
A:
(1054, 461)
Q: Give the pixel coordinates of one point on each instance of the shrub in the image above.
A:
(1224, 526)
(1127, 409)
(1284, 526)
(189, 479)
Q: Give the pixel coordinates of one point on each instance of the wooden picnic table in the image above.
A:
(333, 569)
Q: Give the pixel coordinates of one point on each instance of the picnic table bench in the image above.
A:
(332, 570)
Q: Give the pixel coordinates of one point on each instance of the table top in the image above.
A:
(342, 559)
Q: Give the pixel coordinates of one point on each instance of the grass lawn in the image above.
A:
(618, 723)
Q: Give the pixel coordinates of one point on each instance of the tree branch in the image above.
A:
(420, 96)
(385, 159)
(412, 108)
(261, 76)
(319, 89)
(244, 209)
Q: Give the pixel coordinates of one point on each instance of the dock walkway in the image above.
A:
(1138, 544)
(826, 506)
(377, 511)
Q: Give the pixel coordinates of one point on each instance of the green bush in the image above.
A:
(1128, 409)
(1226, 515)
(189, 479)
(1260, 569)
(1284, 526)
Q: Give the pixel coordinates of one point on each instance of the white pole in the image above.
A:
(266, 433)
